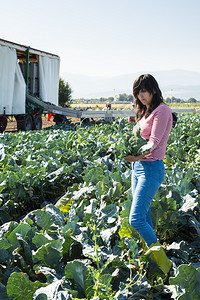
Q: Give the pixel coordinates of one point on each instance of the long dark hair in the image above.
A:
(147, 82)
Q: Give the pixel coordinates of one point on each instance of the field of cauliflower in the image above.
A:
(64, 204)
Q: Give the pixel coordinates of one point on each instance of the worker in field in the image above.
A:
(108, 118)
(49, 116)
(87, 120)
(131, 119)
(57, 118)
(154, 119)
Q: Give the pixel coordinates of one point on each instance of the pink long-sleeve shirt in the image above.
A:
(156, 127)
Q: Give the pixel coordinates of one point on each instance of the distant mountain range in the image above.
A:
(178, 83)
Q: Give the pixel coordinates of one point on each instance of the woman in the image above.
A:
(154, 119)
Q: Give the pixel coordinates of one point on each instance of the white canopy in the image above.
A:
(49, 78)
(12, 84)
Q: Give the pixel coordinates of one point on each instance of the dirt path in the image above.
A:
(12, 124)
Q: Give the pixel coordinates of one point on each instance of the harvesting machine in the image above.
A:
(29, 82)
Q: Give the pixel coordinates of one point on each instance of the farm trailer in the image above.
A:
(29, 82)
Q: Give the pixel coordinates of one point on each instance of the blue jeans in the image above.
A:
(147, 177)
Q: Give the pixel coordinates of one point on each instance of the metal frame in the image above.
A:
(69, 112)
(24, 47)
(127, 113)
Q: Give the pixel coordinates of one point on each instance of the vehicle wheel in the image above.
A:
(25, 123)
(37, 122)
(3, 123)
(58, 119)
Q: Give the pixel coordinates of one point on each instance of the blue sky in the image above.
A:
(108, 37)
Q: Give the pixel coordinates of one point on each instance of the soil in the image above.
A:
(12, 124)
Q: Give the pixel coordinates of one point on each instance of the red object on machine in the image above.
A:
(49, 116)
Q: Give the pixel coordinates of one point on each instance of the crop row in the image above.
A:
(64, 203)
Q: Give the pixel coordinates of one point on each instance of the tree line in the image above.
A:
(178, 100)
